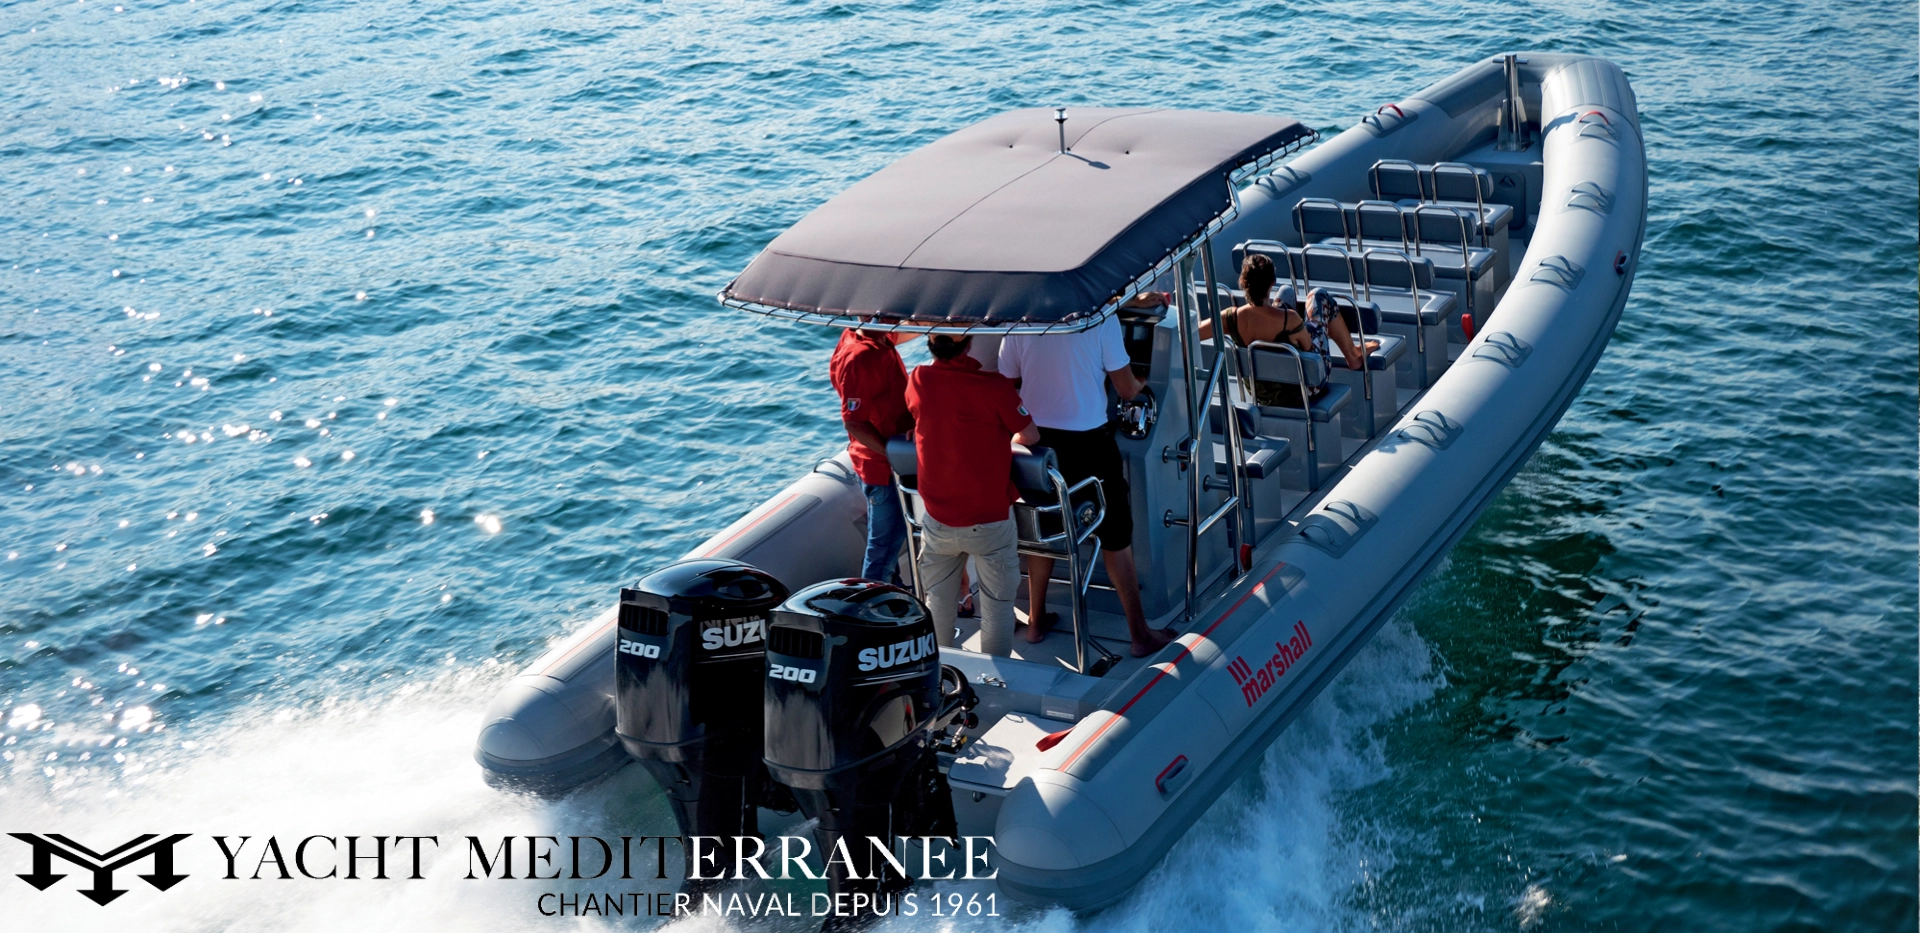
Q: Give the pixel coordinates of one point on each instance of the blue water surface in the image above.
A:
(350, 353)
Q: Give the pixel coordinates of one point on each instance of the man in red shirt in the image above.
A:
(965, 422)
(872, 382)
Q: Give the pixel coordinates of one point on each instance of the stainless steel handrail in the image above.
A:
(1218, 513)
(1229, 424)
(1479, 203)
(1346, 260)
(1366, 359)
(1466, 241)
(915, 534)
(1373, 176)
(1078, 575)
(1413, 285)
(1189, 328)
(1339, 210)
(1072, 537)
(1195, 443)
(1513, 110)
(1362, 209)
(1072, 534)
(1306, 398)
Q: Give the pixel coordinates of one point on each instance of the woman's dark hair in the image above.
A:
(947, 346)
(1256, 278)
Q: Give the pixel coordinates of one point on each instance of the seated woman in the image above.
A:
(1319, 331)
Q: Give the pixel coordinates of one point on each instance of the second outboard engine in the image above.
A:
(857, 704)
(690, 661)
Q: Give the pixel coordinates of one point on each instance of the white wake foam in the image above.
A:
(396, 766)
(1273, 848)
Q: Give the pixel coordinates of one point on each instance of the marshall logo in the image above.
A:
(102, 864)
(1255, 682)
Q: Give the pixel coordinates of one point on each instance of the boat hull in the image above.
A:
(551, 730)
(1094, 817)
(1091, 815)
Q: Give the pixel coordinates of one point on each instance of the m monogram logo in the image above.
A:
(102, 864)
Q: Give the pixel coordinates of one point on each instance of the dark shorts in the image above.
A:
(1093, 453)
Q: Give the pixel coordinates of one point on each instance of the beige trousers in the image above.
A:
(996, 561)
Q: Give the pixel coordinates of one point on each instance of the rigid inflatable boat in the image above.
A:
(1483, 231)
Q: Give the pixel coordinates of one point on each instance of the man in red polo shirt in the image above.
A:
(872, 382)
(965, 421)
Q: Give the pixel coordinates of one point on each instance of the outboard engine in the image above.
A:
(857, 704)
(691, 657)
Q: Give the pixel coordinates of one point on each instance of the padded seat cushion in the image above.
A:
(1323, 408)
(1397, 307)
(1446, 259)
(1377, 219)
(1493, 218)
(1262, 462)
(1249, 422)
(1030, 471)
(904, 459)
(1392, 347)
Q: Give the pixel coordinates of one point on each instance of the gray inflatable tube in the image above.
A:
(551, 729)
(1099, 811)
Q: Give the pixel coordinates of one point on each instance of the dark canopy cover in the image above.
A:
(994, 226)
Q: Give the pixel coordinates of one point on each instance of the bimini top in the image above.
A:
(995, 228)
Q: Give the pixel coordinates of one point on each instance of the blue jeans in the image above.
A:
(886, 532)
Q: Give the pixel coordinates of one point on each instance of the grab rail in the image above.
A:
(1346, 262)
(1373, 176)
(1413, 286)
(1605, 126)
(1479, 203)
(1362, 209)
(1300, 217)
(1306, 398)
(1597, 199)
(1558, 270)
(1466, 241)
(1201, 445)
(846, 473)
(1234, 448)
(1366, 360)
(1080, 576)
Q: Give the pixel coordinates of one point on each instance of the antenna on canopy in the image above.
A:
(1060, 117)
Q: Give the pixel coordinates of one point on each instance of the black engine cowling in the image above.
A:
(855, 703)
(690, 664)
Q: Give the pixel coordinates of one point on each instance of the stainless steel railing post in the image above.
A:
(1229, 417)
(1190, 354)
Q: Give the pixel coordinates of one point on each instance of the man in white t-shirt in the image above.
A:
(1063, 383)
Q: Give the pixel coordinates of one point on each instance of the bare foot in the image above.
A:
(1156, 639)
(965, 609)
(1037, 631)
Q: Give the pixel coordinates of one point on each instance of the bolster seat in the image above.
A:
(1315, 429)
(1456, 186)
(1370, 416)
(1262, 461)
(1392, 348)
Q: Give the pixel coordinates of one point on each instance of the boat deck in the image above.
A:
(1109, 629)
(1056, 650)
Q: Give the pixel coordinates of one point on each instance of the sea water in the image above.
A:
(352, 353)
